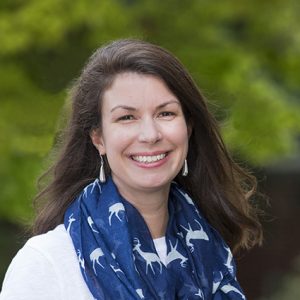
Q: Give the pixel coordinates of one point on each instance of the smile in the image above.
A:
(149, 159)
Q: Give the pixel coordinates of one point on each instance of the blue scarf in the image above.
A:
(118, 259)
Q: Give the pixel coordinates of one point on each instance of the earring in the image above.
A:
(185, 169)
(102, 172)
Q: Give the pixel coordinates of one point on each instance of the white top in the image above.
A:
(161, 249)
(47, 268)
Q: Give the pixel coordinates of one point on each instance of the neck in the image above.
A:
(155, 215)
(152, 205)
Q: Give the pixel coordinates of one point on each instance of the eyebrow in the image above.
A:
(123, 107)
(130, 108)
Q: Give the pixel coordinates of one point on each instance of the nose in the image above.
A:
(149, 131)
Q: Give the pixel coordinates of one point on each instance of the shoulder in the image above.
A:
(53, 247)
(33, 269)
(56, 241)
(43, 267)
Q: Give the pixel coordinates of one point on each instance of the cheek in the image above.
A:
(178, 133)
(116, 141)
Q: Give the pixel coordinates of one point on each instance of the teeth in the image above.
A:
(149, 159)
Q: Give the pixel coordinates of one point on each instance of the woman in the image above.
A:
(144, 197)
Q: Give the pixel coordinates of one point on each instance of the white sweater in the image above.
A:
(47, 268)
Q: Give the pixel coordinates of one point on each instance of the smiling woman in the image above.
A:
(144, 136)
(144, 200)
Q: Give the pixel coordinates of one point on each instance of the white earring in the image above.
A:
(185, 169)
(102, 177)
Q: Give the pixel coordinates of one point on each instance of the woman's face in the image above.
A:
(144, 133)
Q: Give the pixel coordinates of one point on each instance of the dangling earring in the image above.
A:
(102, 172)
(185, 169)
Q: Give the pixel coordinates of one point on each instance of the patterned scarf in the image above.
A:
(118, 259)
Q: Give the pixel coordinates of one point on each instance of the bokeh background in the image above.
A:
(244, 55)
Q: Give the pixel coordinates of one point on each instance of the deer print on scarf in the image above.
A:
(117, 256)
(194, 235)
(149, 257)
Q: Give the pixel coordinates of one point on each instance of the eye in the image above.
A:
(126, 118)
(166, 114)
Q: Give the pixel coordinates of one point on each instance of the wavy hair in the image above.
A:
(221, 189)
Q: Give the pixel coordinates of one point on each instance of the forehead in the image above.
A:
(137, 89)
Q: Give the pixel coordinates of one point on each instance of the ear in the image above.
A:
(189, 129)
(97, 140)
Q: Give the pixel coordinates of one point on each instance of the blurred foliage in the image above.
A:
(10, 242)
(244, 55)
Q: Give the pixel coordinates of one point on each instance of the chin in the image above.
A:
(155, 183)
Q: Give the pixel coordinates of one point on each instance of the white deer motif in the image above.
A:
(71, 220)
(200, 294)
(80, 259)
(114, 210)
(228, 263)
(95, 256)
(217, 283)
(194, 235)
(116, 269)
(140, 293)
(149, 257)
(174, 254)
(96, 182)
(91, 223)
(187, 197)
(85, 190)
(230, 288)
(133, 257)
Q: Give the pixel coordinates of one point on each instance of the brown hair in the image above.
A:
(220, 188)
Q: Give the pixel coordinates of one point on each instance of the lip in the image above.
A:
(152, 164)
(152, 153)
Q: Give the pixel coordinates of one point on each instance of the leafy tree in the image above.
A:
(244, 55)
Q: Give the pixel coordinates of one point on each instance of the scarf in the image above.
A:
(117, 255)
